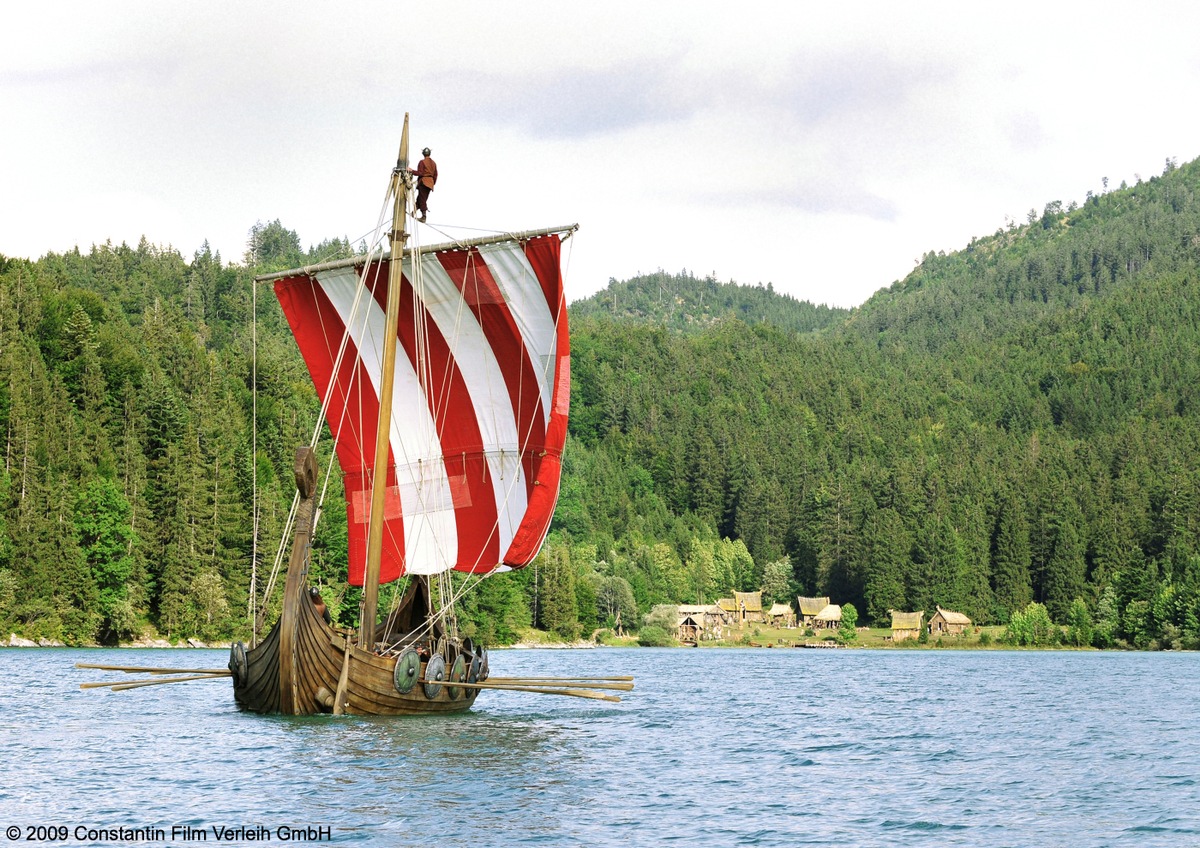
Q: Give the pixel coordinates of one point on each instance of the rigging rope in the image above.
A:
(289, 523)
(436, 399)
(250, 603)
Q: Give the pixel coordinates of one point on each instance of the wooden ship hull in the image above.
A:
(306, 666)
(310, 681)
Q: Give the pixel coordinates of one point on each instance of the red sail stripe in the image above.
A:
(354, 406)
(545, 467)
(474, 280)
(353, 412)
(461, 442)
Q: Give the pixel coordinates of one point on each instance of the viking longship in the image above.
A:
(444, 379)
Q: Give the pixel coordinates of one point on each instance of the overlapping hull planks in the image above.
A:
(320, 653)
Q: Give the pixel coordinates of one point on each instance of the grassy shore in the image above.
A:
(764, 636)
(866, 637)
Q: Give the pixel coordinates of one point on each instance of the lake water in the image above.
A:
(714, 747)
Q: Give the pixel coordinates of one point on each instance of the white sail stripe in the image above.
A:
(480, 369)
(508, 479)
(426, 503)
(534, 317)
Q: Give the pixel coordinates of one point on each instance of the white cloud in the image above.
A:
(821, 149)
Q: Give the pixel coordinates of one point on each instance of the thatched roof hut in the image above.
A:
(906, 625)
(809, 608)
(945, 621)
(712, 615)
(781, 615)
(828, 618)
(750, 601)
(748, 606)
(700, 621)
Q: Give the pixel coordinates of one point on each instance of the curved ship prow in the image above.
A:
(305, 665)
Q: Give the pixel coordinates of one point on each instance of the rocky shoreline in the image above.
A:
(15, 641)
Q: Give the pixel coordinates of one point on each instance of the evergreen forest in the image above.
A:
(1016, 423)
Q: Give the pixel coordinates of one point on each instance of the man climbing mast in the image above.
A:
(426, 174)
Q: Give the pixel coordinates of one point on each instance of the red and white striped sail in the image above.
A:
(481, 392)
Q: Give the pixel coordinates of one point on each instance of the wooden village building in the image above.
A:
(906, 625)
(782, 615)
(830, 618)
(749, 606)
(690, 627)
(743, 607)
(947, 622)
(810, 608)
(697, 622)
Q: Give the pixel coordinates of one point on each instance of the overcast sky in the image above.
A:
(819, 147)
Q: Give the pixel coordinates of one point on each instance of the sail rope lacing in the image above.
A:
(422, 366)
(289, 523)
(432, 477)
(449, 601)
(436, 398)
(430, 441)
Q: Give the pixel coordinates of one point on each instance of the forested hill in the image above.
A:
(1015, 422)
(126, 409)
(684, 302)
(1065, 257)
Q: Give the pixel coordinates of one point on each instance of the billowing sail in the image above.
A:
(481, 392)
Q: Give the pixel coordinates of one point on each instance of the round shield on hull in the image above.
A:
(237, 664)
(458, 673)
(408, 669)
(435, 673)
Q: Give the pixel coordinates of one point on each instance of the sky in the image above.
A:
(822, 148)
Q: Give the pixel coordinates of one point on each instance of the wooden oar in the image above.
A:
(133, 684)
(145, 669)
(574, 693)
(576, 680)
(559, 683)
(117, 685)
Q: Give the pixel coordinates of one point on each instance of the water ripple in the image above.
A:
(809, 748)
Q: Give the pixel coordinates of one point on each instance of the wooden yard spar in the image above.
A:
(467, 341)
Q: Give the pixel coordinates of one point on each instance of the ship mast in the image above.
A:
(366, 631)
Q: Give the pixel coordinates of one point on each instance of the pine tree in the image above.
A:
(1063, 579)
(886, 550)
(559, 612)
(1011, 583)
(102, 519)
